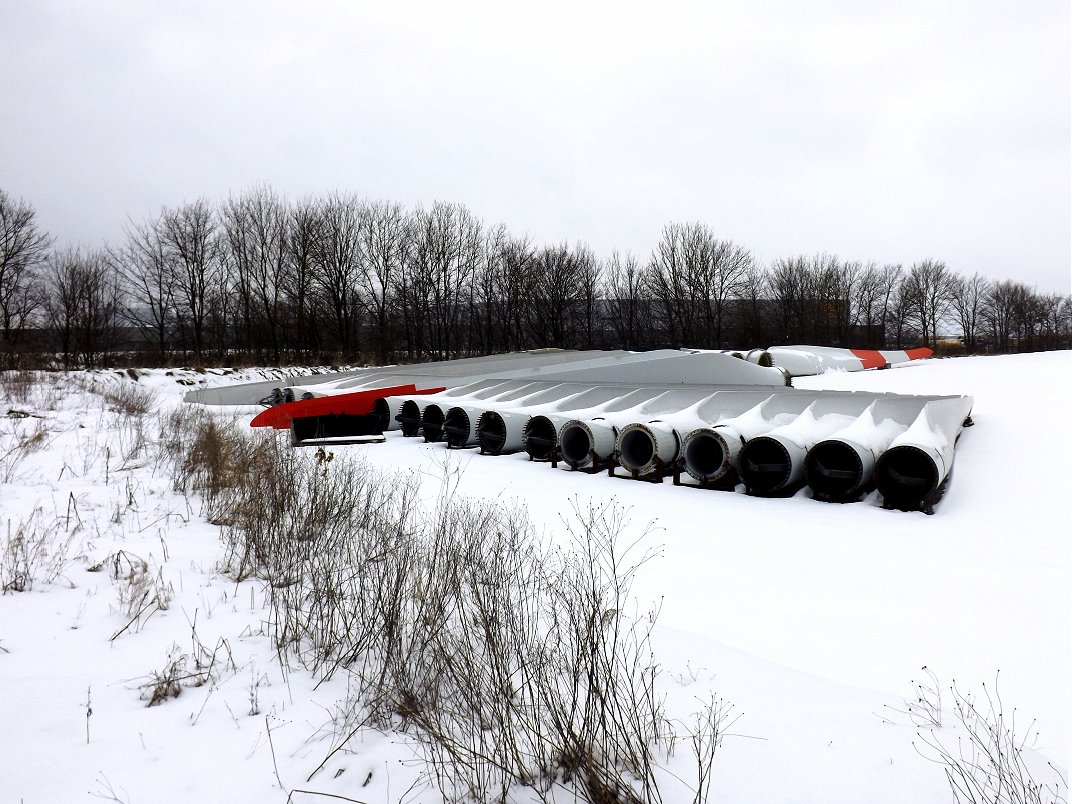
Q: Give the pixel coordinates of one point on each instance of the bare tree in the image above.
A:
(589, 281)
(967, 299)
(188, 234)
(873, 293)
(555, 296)
(1054, 310)
(899, 328)
(750, 309)
(82, 304)
(867, 304)
(222, 313)
(445, 254)
(844, 276)
(787, 283)
(813, 298)
(256, 274)
(892, 279)
(148, 274)
(303, 235)
(999, 312)
(489, 311)
(823, 299)
(412, 290)
(672, 278)
(1026, 318)
(723, 273)
(626, 301)
(927, 291)
(255, 230)
(338, 260)
(1063, 324)
(384, 237)
(514, 289)
(23, 247)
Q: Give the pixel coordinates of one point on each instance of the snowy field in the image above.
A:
(812, 619)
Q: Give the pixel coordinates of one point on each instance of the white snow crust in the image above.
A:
(811, 618)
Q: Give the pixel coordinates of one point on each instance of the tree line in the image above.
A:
(338, 278)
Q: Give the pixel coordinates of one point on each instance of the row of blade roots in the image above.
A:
(908, 468)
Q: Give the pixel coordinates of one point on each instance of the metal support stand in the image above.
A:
(661, 470)
(726, 483)
(597, 464)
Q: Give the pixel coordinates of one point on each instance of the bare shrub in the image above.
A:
(133, 581)
(34, 551)
(517, 664)
(213, 457)
(19, 444)
(131, 439)
(216, 457)
(705, 737)
(177, 426)
(924, 707)
(209, 664)
(990, 760)
(182, 670)
(140, 591)
(167, 682)
(128, 399)
(17, 385)
(512, 663)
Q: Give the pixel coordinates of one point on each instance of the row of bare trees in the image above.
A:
(258, 277)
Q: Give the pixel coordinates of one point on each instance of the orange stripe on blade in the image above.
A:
(870, 358)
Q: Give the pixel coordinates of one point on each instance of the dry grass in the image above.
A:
(16, 386)
(28, 435)
(35, 551)
(512, 663)
(128, 399)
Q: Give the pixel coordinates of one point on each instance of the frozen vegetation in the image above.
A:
(193, 611)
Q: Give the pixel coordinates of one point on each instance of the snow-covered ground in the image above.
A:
(813, 619)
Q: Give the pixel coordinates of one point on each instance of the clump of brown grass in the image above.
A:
(17, 385)
(128, 399)
(34, 551)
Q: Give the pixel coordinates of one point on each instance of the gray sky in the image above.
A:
(892, 131)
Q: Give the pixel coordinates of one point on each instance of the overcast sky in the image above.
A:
(888, 131)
